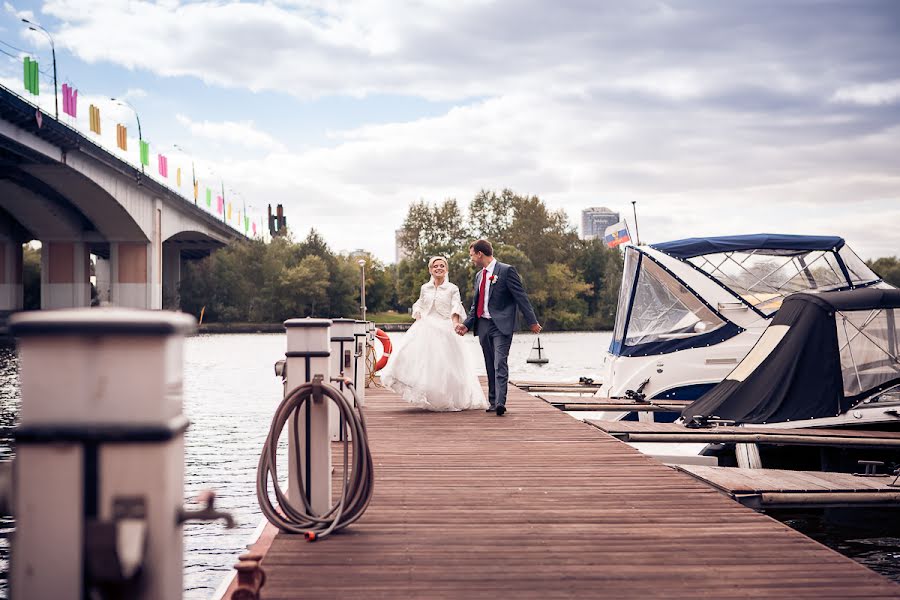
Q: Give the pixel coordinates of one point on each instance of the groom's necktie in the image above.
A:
(480, 310)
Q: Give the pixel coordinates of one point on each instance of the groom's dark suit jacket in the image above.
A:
(505, 294)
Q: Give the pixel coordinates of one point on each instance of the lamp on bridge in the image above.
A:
(138, 118)
(36, 27)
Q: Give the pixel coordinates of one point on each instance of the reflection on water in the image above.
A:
(230, 394)
(10, 399)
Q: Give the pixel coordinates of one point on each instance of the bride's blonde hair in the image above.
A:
(434, 258)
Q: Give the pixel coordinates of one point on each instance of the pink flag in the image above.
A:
(70, 100)
(163, 166)
(220, 204)
(254, 228)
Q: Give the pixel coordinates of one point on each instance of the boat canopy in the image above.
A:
(762, 243)
(762, 269)
(821, 355)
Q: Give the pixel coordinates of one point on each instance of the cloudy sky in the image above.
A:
(716, 117)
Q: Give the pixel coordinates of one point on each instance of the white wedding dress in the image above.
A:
(432, 369)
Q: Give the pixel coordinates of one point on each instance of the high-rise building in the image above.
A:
(594, 221)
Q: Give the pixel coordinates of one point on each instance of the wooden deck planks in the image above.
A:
(536, 504)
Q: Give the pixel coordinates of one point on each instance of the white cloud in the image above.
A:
(712, 117)
(870, 94)
(244, 133)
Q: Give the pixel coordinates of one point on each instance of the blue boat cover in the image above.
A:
(777, 243)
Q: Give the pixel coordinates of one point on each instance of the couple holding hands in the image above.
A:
(432, 370)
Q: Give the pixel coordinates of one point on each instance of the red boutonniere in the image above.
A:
(493, 279)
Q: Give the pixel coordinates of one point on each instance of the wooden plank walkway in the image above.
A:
(571, 403)
(768, 488)
(539, 505)
(633, 431)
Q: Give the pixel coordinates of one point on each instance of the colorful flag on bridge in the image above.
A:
(94, 114)
(122, 136)
(145, 153)
(178, 176)
(32, 84)
(70, 100)
(163, 165)
(616, 234)
(208, 198)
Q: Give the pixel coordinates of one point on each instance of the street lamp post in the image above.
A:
(36, 27)
(138, 118)
(362, 288)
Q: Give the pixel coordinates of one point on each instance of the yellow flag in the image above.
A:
(229, 211)
(121, 136)
(95, 119)
(178, 176)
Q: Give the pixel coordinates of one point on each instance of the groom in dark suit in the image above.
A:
(498, 292)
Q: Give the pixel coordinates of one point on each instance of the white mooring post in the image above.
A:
(359, 360)
(342, 349)
(100, 454)
(308, 355)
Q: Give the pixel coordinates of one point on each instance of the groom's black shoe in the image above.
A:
(491, 408)
(500, 410)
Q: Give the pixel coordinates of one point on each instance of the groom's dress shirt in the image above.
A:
(487, 289)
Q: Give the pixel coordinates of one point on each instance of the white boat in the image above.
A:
(690, 310)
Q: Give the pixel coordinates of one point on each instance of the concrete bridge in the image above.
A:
(78, 199)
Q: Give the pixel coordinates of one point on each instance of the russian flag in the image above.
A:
(616, 234)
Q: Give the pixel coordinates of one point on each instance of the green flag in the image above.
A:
(145, 153)
(32, 83)
(208, 198)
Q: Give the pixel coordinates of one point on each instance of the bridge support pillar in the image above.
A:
(171, 277)
(130, 275)
(65, 275)
(11, 290)
(103, 273)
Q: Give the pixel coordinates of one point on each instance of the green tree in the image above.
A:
(300, 291)
(601, 267)
(888, 268)
(490, 215)
(560, 299)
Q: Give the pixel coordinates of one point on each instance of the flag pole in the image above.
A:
(637, 232)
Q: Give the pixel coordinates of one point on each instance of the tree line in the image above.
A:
(573, 283)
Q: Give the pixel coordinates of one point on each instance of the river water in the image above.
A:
(231, 392)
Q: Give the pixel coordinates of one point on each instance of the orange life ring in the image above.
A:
(386, 346)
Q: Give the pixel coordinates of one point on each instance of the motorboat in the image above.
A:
(690, 310)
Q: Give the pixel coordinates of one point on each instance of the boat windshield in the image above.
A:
(664, 309)
(656, 312)
(868, 344)
(764, 277)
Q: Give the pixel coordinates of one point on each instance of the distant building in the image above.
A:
(594, 221)
(399, 251)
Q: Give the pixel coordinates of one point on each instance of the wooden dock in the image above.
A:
(774, 488)
(536, 504)
(571, 403)
(632, 431)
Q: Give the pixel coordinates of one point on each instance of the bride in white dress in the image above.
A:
(432, 369)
